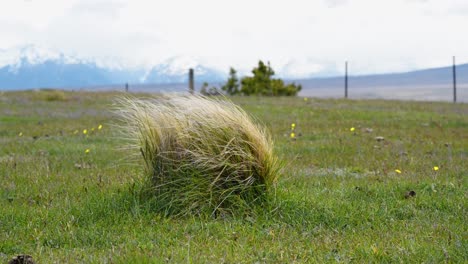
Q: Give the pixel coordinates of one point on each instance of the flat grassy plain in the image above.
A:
(344, 195)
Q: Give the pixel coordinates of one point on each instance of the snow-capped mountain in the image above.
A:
(31, 54)
(31, 66)
(175, 69)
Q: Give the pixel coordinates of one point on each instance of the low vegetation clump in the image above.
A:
(202, 155)
(51, 95)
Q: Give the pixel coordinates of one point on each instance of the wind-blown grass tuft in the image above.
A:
(202, 155)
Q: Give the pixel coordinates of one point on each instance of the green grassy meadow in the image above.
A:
(343, 195)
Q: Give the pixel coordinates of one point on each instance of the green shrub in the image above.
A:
(213, 91)
(232, 85)
(202, 155)
(262, 83)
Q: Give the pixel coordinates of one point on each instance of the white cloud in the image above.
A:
(334, 3)
(375, 36)
(109, 9)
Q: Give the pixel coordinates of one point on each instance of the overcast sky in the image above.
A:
(299, 37)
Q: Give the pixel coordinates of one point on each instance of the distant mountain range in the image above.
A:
(434, 76)
(30, 66)
(434, 84)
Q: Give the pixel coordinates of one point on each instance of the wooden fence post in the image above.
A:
(346, 80)
(191, 82)
(454, 70)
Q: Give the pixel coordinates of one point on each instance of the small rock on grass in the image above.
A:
(410, 194)
(22, 259)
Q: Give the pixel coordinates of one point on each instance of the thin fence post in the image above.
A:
(346, 80)
(454, 70)
(126, 87)
(191, 82)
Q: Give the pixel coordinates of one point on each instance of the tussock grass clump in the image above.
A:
(202, 155)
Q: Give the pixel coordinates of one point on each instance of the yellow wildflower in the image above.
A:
(85, 131)
(352, 129)
(398, 171)
(436, 168)
(374, 249)
(87, 151)
(20, 134)
(292, 135)
(293, 125)
(99, 127)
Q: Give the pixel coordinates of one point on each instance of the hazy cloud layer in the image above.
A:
(300, 36)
